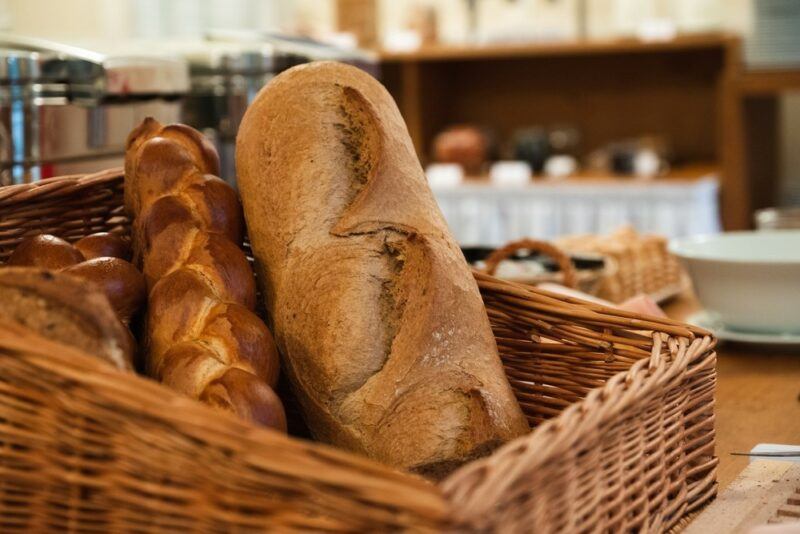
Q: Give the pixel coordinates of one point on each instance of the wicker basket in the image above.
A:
(621, 408)
(643, 264)
(589, 281)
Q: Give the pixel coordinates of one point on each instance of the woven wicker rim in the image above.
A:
(564, 262)
(54, 187)
(584, 417)
(260, 447)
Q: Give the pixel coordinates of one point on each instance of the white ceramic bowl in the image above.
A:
(749, 280)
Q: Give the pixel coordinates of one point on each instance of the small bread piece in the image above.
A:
(67, 309)
(161, 161)
(45, 251)
(244, 394)
(130, 346)
(167, 324)
(253, 343)
(194, 369)
(121, 282)
(103, 244)
(208, 203)
(214, 256)
(235, 335)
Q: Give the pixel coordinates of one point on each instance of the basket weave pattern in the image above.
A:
(644, 265)
(69, 207)
(621, 408)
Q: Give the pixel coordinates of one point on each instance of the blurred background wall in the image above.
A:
(510, 18)
(497, 20)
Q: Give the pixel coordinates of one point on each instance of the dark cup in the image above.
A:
(533, 146)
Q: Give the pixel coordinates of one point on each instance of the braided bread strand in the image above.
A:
(202, 337)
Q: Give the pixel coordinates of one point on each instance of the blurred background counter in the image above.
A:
(480, 214)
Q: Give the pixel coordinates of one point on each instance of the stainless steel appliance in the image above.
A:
(225, 78)
(65, 109)
(229, 68)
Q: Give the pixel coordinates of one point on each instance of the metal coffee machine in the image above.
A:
(65, 109)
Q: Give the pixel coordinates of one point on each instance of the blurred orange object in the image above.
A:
(464, 144)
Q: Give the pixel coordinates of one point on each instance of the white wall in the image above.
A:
(69, 19)
(119, 19)
(542, 17)
(115, 20)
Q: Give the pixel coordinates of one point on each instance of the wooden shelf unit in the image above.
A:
(753, 126)
(687, 91)
(769, 82)
(556, 48)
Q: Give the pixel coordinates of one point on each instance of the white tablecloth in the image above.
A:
(486, 215)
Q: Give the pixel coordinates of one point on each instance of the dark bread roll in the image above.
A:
(106, 266)
(45, 251)
(67, 309)
(103, 245)
(464, 144)
(383, 331)
(121, 282)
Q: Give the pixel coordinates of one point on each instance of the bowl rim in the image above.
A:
(675, 247)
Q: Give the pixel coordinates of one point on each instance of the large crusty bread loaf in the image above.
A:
(386, 340)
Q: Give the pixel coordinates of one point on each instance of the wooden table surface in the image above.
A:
(758, 396)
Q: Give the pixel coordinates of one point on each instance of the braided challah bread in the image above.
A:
(202, 337)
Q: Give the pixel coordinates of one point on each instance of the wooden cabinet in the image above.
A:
(688, 90)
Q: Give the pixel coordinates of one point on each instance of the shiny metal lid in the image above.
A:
(206, 57)
(89, 73)
(22, 67)
(297, 49)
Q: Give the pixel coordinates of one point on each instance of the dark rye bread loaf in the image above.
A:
(381, 324)
(65, 308)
